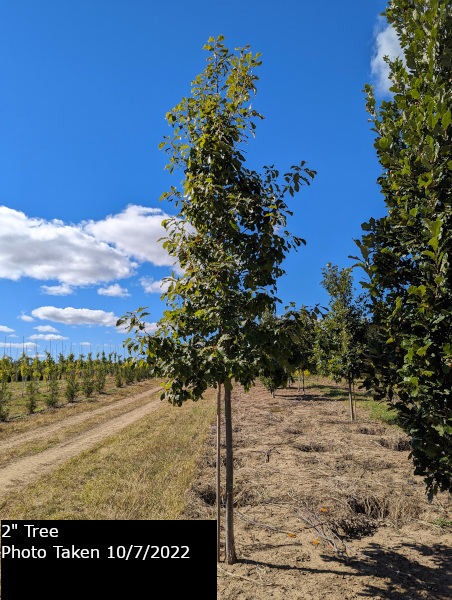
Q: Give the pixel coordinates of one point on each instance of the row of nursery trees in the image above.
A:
(50, 378)
(336, 343)
(230, 238)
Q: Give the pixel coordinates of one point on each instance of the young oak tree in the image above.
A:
(229, 238)
(343, 334)
(407, 253)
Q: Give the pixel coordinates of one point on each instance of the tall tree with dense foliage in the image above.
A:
(407, 253)
(342, 345)
(229, 238)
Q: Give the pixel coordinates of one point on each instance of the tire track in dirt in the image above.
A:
(26, 470)
(29, 436)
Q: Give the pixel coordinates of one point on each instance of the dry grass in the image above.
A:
(141, 473)
(88, 410)
(323, 510)
(19, 421)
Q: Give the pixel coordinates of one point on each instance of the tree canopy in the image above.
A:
(407, 253)
(228, 239)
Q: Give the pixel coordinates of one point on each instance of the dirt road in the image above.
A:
(22, 471)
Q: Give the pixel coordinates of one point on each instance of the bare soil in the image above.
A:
(325, 508)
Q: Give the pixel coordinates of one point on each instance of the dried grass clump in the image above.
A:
(404, 509)
(207, 494)
(312, 447)
(370, 430)
(293, 431)
(372, 506)
(248, 494)
(399, 443)
(354, 526)
(398, 509)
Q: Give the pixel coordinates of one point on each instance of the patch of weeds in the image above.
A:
(380, 411)
(441, 522)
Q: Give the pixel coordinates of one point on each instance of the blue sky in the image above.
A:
(84, 89)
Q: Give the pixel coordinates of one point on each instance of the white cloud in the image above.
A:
(57, 290)
(26, 318)
(386, 44)
(46, 336)
(5, 329)
(26, 345)
(135, 232)
(150, 327)
(46, 329)
(75, 316)
(91, 252)
(114, 290)
(151, 286)
(46, 250)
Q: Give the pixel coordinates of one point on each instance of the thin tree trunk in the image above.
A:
(298, 379)
(303, 381)
(352, 412)
(218, 469)
(231, 556)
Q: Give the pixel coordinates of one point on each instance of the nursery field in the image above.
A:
(326, 508)
(121, 454)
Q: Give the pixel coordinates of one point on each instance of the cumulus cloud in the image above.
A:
(25, 318)
(26, 345)
(57, 290)
(88, 253)
(75, 316)
(151, 286)
(46, 336)
(386, 44)
(46, 329)
(135, 231)
(150, 327)
(32, 247)
(114, 290)
(5, 329)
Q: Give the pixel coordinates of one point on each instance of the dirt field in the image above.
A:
(325, 508)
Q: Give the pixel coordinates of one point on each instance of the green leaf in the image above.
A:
(424, 349)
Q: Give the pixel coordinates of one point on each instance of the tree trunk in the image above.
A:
(298, 379)
(303, 381)
(218, 469)
(352, 412)
(231, 557)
